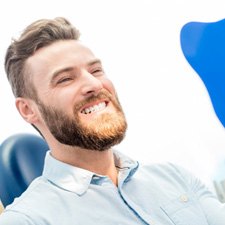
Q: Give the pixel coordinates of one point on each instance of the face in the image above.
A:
(77, 102)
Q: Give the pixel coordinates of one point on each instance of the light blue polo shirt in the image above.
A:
(158, 194)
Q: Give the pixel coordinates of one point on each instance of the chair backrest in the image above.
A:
(21, 161)
(203, 46)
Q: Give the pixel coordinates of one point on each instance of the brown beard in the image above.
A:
(100, 134)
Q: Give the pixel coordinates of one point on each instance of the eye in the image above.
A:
(97, 71)
(64, 80)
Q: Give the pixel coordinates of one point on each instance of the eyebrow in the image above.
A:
(60, 71)
(68, 69)
(95, 61)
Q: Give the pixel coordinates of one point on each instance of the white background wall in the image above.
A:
(168, 109)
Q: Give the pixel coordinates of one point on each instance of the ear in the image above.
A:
(27, 109)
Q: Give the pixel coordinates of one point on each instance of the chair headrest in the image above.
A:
(21, 161)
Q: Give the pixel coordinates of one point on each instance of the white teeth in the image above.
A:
(94, 108)
(86, 111)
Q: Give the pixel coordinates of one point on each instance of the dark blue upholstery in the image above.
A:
(21, 160)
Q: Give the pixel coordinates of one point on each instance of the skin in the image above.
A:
(64, 74)
(1, 207)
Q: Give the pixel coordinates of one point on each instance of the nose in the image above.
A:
(91, 84)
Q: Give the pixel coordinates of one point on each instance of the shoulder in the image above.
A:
(169, 174)
(174, 176)
(38, 188)
(13, 217)
(164, 169)
(28, 204)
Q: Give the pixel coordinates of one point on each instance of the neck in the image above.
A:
(99, 162)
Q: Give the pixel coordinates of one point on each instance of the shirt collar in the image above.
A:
(76, 179)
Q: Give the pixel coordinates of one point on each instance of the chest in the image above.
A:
(143, 205)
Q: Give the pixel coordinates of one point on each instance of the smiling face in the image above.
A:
(77, 102)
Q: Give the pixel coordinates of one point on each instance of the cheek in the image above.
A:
(64, 100)
(108, 85)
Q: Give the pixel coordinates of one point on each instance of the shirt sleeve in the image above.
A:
(14, 218)
(214, 210)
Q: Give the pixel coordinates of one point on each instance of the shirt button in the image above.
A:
(183, 198)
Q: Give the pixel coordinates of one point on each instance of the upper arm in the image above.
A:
(213, 209)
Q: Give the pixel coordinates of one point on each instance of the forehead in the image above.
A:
(61, 53)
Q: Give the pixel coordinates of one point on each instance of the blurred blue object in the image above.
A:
(203, 45)
(21, 160)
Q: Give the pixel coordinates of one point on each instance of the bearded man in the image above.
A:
(62, 90)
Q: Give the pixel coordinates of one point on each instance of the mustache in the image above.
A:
(102, 95)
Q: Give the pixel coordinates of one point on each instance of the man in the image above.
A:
(62, 90)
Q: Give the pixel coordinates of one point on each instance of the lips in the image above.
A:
(94, 108)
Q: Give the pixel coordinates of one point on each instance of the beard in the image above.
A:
(103, 132)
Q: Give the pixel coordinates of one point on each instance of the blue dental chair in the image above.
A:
(21, 161)
(203, 45)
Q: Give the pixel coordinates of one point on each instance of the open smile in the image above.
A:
(94, 107)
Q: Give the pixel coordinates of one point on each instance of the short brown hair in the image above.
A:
(39, 34)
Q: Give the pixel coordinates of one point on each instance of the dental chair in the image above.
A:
(21, 161)
(203, 45)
